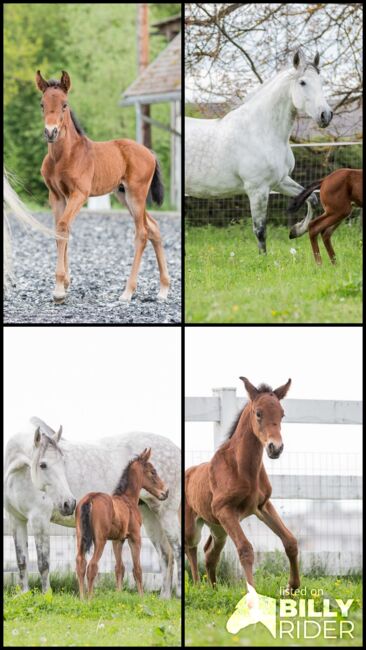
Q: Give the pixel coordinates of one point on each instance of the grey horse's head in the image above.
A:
(48, 468)
(307, 91)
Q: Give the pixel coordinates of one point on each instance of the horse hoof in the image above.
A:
(125, 298)
(59, 298)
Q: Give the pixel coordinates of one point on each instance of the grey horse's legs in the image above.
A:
(258, 207)
(42, 541)
(161, 544)
(20, 536)
(170, 523)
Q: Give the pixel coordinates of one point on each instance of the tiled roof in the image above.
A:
(162, 75)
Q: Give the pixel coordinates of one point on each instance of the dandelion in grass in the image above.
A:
(293, 251)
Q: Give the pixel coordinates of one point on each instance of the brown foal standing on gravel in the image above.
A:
(76, 168)
(100, 517)
(234, 485)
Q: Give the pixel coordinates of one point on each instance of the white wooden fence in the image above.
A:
(329, 533)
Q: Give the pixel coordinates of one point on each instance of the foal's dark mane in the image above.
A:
(122, 484)
(53, 83)
(262, 388)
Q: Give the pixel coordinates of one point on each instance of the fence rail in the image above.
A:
(311, 504)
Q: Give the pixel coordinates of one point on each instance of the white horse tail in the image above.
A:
(14, 205)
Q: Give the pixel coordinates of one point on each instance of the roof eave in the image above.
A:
(156, 98)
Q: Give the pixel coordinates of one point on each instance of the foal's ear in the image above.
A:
(41, 83)
(65, 82)
(281, 392)
(251, 390)
(145, 454)
(37, 437)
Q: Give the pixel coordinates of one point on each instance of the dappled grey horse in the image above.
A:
(45, 475)
(247, 151)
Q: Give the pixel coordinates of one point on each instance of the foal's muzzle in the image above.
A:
(163, 495)
(273, 451)
(51, 134)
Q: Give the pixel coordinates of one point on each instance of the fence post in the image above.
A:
(228, 411)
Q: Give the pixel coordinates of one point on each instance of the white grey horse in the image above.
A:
(45, 475)
(248, 150)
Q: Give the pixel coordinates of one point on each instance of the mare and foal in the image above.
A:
(101, 516)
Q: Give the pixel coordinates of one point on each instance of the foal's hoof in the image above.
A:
(163, 294)
(125, 298)
(59, 297)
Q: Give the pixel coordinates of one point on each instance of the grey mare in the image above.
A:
(247, 151)
(45, 475)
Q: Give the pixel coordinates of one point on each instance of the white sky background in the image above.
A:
(95, 381)
(323, 363)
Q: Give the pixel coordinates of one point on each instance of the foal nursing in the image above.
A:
(234, 485)
(100, 517)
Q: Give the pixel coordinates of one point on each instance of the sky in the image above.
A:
(95, 381)
(323, 363)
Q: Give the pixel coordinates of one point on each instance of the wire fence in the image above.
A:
(313, 161)
(63, 556)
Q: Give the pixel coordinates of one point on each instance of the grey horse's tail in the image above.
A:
(300, 198)
(157, 187)
(86, 529)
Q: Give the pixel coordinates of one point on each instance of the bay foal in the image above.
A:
(100, 517)
(337, 193)
(76, 168)
(234, 485)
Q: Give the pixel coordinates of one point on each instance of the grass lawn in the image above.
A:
(207, 612)
(109, 619)
(227, 281)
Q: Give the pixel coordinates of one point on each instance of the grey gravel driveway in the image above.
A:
(100, 252)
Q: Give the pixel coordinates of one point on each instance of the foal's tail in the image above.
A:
(86, 528)
(208, 544)
(300, 198)
(157, 187)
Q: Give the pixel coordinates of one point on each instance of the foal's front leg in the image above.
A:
(269, 515)
(120, 567)
(74, 203)
(230, 523)
(135, 546)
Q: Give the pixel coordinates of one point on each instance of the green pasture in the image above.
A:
(207, 611)
(227, 281)
(109, 619)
